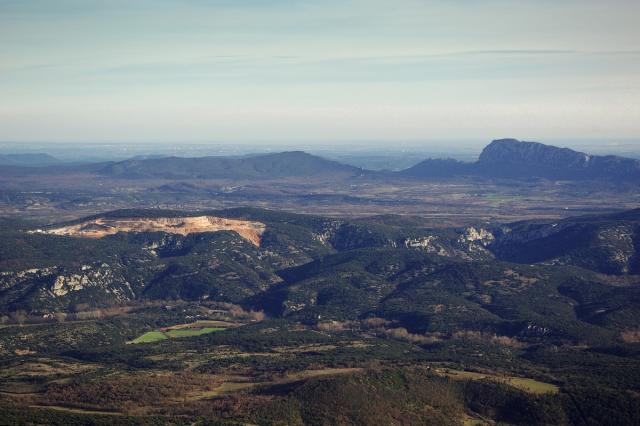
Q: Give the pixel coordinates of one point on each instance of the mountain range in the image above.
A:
(510, 158)
(503, 158)
(500, 277)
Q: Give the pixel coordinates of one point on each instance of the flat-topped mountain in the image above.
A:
(511, 158)
(278, 165)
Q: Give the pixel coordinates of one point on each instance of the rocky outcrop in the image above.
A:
(102, 277)
(469, 244)
(479, 235)
(429, 243)
(61, 287)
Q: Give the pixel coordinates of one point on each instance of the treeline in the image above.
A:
(411, 396)
(83, 312)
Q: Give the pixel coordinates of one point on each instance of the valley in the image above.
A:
(216, 325)
(450, 197)
(319, 213)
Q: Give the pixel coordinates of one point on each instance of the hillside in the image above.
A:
(437, 168)
(604, 243)
(162, 313)
(227, 255)
(270, 166)
(310, 267)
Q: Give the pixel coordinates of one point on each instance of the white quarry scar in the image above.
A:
(101, 227)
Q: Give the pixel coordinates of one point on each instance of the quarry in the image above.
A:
(101, 227)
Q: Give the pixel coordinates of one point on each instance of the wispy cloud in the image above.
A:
(229, 68)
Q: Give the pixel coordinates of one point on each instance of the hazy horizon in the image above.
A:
(375, 155)
(282, 71)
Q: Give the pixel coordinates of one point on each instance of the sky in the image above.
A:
(269, 71)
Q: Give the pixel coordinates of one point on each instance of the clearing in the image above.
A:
(522, 383)
(174, 333)
(236, 385)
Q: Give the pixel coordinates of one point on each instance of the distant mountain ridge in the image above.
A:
(37, 159)
(278, 165)
(511, 158)
(502, 158)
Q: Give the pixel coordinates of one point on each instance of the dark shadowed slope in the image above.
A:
(604, 243)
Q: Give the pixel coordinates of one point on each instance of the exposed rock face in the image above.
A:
(475, 241)
(59, 287)
(101, 227)
(102, 276)
(480, 235)
(328, 233)
(428, 243)
(469, 244)
(64, 285)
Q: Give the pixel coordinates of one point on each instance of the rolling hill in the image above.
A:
(500, 279)
(269, 166)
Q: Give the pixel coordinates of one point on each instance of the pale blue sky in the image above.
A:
(288, 71)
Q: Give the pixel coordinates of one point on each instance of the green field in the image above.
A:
(156, 336)
(150, 337)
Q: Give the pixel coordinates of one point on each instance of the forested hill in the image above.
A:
(270, 166)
